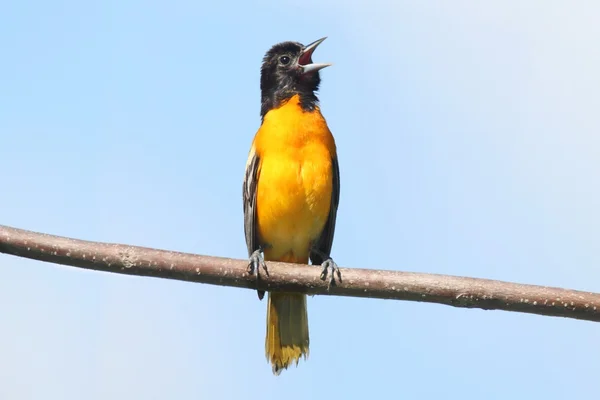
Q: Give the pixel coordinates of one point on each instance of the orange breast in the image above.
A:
(295, 180)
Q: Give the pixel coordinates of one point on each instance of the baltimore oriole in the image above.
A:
(291, 191)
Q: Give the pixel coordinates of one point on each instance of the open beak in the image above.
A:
(305, 60)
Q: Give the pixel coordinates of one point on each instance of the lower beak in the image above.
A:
(305, 60)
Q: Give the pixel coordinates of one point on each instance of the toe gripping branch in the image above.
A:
(255, 263)
(327, 265)
(335, 271)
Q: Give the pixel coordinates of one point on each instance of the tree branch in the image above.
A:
(442, 289)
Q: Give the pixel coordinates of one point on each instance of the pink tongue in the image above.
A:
(305, 58)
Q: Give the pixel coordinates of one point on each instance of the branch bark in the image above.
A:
(431, 288)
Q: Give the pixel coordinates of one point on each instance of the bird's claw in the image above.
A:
(255, 263)
(335, 270)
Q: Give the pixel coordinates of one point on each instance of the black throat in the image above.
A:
(274, 98)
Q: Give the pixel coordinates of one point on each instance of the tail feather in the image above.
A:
(287, 330)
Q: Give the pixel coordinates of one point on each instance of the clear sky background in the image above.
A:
(469, 144)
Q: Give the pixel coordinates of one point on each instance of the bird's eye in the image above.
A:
(284, 60)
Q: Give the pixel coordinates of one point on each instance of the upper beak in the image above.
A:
(305, 60)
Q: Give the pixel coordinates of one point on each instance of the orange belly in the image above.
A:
(293, 201)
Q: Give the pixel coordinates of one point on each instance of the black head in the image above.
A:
(287, 70)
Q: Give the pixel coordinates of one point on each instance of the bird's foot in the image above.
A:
(255, 263)
(335, 270)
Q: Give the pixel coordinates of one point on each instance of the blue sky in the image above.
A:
(468, 142)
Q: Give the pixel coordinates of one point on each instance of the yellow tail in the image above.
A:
(287, 330)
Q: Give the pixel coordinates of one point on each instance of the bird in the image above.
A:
(291, 192)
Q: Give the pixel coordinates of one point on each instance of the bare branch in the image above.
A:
(442, 289)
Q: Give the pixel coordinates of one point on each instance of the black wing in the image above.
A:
(325, 241)
(249, 195)
(249, 198)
